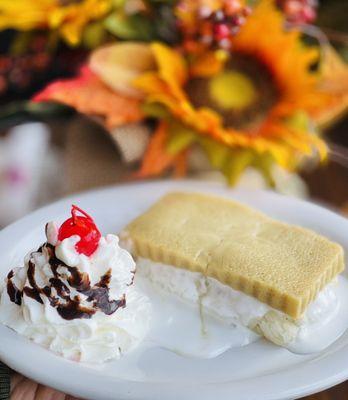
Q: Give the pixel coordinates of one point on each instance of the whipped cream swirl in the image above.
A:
(84, 308)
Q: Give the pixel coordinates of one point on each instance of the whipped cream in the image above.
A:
(236, 308)
(83, 308)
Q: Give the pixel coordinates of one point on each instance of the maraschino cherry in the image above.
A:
(83, 226)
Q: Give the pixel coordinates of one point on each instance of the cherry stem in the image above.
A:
(75, 209)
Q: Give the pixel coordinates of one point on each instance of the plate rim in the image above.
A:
(338, 359)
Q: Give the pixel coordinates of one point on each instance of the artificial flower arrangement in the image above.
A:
(243, 83)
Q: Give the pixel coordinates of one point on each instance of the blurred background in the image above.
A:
(48, 150)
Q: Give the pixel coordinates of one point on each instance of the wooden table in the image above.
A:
(339, 392)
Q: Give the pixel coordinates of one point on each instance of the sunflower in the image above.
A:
(69, 17)
(256, 105)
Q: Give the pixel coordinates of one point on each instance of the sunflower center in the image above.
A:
(242, 94)
(232, 89)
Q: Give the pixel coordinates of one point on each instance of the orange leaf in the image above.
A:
(157, 159)
(180, 165)
(89, 95)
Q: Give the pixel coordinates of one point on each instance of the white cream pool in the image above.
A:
(199, 317)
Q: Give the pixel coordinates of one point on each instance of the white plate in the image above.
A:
(259, 371)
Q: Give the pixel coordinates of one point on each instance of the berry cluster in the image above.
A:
(22, 73)
(17, 71)
(211, 26)
(299, 11)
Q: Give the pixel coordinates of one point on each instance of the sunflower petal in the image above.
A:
(208, 64)
(69, 19)
(150, 84)
(23, 14)
(172, 68)
(72, 32)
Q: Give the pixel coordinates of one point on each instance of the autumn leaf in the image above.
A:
(89, 95)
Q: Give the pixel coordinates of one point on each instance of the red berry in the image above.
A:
(221, 31)
(299, 11)
(83, 226)
(308, 14)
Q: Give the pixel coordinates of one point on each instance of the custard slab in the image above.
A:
(282, 265)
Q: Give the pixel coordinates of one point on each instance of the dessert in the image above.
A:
(240, 264)
(75, 294)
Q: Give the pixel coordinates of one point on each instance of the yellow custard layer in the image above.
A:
(281, 265)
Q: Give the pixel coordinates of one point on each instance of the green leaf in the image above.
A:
(94, 35)
(264, 163)
(180, 138)
(23, 111)
(233, 162)
(46, 108)
(216, 152)
(118, 3)
(132, 27)
(299, 120)
(238, 160)
(155, 110)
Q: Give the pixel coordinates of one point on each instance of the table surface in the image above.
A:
(339, 392)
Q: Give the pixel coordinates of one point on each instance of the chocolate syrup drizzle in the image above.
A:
(67, 307)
